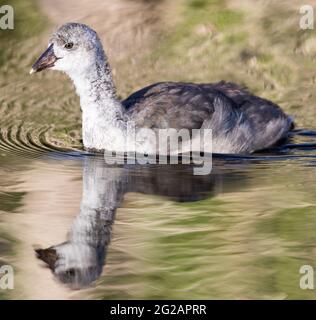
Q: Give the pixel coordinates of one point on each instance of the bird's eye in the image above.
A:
(69, 45)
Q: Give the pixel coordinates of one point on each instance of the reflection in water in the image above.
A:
(79, 261)
(242, 231)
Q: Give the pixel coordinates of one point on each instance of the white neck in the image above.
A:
(102, 113)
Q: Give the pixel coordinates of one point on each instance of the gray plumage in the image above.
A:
(240, 121)
(252, 122)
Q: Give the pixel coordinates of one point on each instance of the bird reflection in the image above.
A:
(79, 261)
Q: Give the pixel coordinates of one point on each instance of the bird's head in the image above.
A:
(73, 49)
(76, 265)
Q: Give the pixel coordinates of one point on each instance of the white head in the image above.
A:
(75, 264)
(77, 50)
(74, 49)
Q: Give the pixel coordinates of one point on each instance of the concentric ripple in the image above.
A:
(28, 142)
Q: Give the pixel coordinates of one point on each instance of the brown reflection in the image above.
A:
(79, 261)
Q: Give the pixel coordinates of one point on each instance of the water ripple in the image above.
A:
(27, 142)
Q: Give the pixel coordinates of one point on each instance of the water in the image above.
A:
(74, 227)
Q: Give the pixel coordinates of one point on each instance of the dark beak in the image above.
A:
(46, 60)
(49, 256)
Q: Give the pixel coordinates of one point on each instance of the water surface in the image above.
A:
(157, 231)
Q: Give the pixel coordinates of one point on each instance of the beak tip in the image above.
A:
(32, 71)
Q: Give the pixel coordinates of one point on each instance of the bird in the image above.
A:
(241, 122)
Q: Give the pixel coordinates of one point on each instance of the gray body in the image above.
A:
(240, 121)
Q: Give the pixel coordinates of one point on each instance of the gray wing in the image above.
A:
(250, 122)
(170, 105)
(260, 118)
(258, 110)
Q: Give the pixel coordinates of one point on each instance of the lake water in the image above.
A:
(156, 231)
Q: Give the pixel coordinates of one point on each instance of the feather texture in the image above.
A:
(240, 121)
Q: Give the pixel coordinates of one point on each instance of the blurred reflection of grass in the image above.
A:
(247, 243)
(7, 243)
